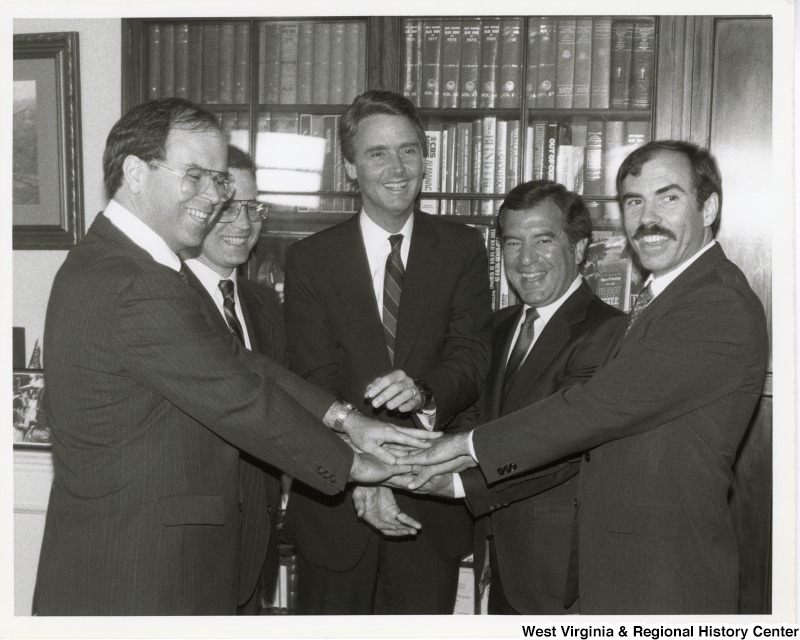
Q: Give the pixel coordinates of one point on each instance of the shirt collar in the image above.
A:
(141, 235)
(548, 311)
(209, 278)
(658, 284)
(375, 236)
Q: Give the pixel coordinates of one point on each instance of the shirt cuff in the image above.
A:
(427, 419)
(471, 446)
(458, 487)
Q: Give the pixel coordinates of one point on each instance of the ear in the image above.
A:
(580, 250)
(710, 209)
(134, 173)
(351, 170)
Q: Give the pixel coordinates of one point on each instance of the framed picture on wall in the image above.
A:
(47, 191)
(30, 429)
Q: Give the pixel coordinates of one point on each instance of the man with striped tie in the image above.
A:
(389, 311)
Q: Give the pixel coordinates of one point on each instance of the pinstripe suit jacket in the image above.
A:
(149, 406)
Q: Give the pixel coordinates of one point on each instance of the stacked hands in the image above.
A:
(388, 456)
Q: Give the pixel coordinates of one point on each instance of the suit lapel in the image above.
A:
(256, 337)
(555, 335)
(501, 345)
(420, 286)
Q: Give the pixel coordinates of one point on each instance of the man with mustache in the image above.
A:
(660, 423)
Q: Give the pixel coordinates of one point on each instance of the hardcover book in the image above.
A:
(431, 64)
(470, 63)
(510, 78)
(583, 64)
(565, 62)
(451, 64)
(490, 50)
(601, 63)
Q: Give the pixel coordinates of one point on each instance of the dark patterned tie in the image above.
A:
(229, 308)
(392, 290)
(520, 350)
(645, 297)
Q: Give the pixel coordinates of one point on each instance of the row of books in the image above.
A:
(298, 62)
(571, 63)
(483, 156)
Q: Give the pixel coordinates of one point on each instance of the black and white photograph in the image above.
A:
(414, 321)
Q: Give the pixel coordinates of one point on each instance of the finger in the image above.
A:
(379, 384)
(416, 441)
(426, 473)
(403, 531)
(408, 521)
(387, 394)
(384, 455)
(420, 433)
(406, 399)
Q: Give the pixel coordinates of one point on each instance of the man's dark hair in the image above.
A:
(577, 222)
(238, 159)
(706, 178)
(143, 131)
(373, 103)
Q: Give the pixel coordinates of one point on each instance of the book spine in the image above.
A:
(564, 166)
(527, 170)
(361, 78)
(452, 165)
(451, 63)
(583, 64)
(642, 64)
(565, 62)
(196, 67)
(167, 60)
(464, 167)
(322, 63)
(430, 183)
(593, 170)
(488, 164)
(490, 49)
(621, 52)
(413, 60)
(637, 133)
(512, 156)
(491, 248)
(226, 46)
(539, 150)
(272, 63)
(497, 272)
(551, 151)
(352, 45)
(579, 131)
(288, 74)
(182, 60)
(477, 164)
(531, 84)
(211, 63)
(614, 153)
(154, 51)
(338, 33)
(470, 63)
(305, 63)
(510, 62)
(546, 75)
(431, 64)
(241, 64)
(601, 63)
(329, 123)
(339, 174)
(500, 157)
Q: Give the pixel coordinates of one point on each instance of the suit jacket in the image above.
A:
(531, 520)
(260, 483)
(336, 340)
(149, 406)
(662, 421)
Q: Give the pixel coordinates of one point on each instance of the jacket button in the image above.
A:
(320, 470)
(500, 471)
(513, 466)
(587, 456)
(332, 478)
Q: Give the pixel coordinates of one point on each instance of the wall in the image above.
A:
(100, 60)
(33, 271)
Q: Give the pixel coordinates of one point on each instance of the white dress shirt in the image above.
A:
(142, 235)
(210, 280)
(658, 284)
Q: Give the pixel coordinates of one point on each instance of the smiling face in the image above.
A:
(539, 260)
(388, 162)
(663, 220)
(180, 220)
(228, 244)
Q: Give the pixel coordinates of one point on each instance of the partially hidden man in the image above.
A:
(661, 422)
(150, 404)
(389, 310)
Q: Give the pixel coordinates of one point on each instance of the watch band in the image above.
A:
(341, 415)
(427, 395)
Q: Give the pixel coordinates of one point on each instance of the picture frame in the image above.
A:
(30, 428)
(47, 192)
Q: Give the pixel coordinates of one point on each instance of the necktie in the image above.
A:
(645, 297)
(392, 289)
(229, 308)
(520, 350)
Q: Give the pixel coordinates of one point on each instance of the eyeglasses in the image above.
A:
(196, 180)
(256, 211)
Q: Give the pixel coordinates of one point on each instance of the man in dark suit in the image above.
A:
(556, 338)
(150, 405)
(391, 312)
(660, 423)
(227, 244)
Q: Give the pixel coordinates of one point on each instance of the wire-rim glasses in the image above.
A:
(196, 180)
(256, 211)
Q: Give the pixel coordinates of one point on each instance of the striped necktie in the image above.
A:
(392, 290)
(520, 350)
(645, 297)
(229, 309)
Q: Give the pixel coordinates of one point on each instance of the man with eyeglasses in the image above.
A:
(150, 403)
